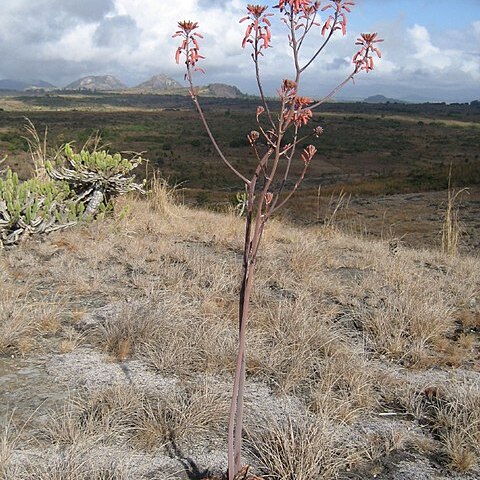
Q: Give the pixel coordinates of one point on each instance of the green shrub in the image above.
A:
(34, 206)
(95, 176)
(81, 186)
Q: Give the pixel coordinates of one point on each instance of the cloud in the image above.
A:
(60, 40)
(476, 28)
(117, 32)
(447, 66)
(25, 23)
(86, 10)
(426, 54)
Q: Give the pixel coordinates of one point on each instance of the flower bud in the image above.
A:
(260, 110)
(253, 137)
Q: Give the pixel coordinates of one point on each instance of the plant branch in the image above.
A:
(255, 56)
(324, 44)
(294, 189)
(334, 91)
(208, 130)
(307, 29)
(287, 169)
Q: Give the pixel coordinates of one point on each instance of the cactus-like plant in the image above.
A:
(95, 176)
(80, 186)
(34, 206)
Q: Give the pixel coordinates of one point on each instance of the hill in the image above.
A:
(221, 90)
(18, 85)
(97, 82)
(159, 82)
(382, 99)
(164, 85)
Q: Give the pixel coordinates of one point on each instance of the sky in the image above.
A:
(431, 48)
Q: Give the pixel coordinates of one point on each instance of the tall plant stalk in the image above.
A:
(267, 186)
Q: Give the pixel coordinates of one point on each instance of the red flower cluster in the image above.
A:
(363, 59)
(189, 46)
(299, 115)
(307, 7)
(337, 21)
(302, 115)
(301, 102)
(255, 30)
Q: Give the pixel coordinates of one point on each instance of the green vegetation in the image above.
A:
(417, 143)
(368, 151)
(34, 206)
(80, 186)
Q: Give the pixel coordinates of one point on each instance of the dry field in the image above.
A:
(117, 344)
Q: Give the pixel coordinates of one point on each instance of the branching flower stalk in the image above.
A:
(267, 187)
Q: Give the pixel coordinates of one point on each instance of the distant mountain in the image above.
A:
(40, 85)
(162, 84)
(97, 82)
(19, 85)
(221, 90)
(158, 82)
(382, 99)
(8, 84)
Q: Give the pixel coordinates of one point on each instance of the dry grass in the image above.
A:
(162, 196)
(299, 449)
(9, 440)
(344, 391)
(336, 322)
(100, 417)
(12, 440)
(451, 227)
(198, 410)
(123, 413)
(456, 421)
(75, 464)
(17, 319)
